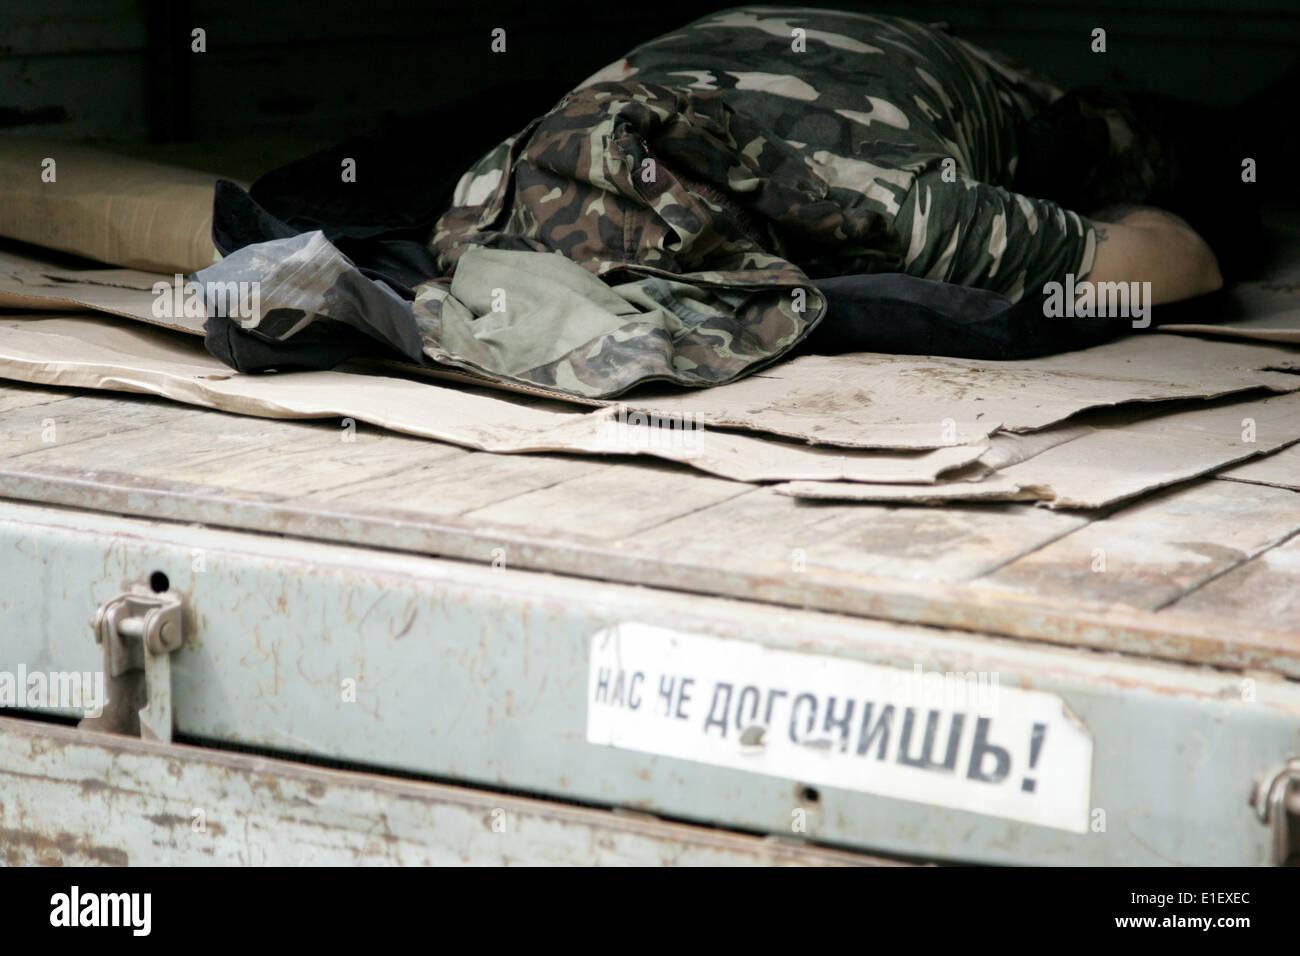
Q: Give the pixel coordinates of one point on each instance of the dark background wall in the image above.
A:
(317, 71)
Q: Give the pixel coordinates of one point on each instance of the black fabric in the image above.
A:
(896, 313)
(405, 171)
(321, 345)
(239, 220)
(899, 314)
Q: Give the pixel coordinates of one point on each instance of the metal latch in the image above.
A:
(1276, 800)
(138, 630)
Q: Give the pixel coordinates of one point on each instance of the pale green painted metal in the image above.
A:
(74, 798)
(474, 674)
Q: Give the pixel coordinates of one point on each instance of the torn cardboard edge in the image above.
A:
(1108, 465)
(27, 283)
(1279, 470)
(941, 493)
(97, 353)
(1267, 334)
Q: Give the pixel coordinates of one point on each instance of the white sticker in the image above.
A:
(957, 740)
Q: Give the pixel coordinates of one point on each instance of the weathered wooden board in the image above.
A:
(300, 460)
(670, 525)
(457, 483)
(764, 532)
(612, 502)
(73, 419)
(14, 396)
(1150, 553)
(385, 525)
(1263, 592)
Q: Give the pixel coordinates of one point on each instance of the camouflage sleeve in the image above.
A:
(967, 232)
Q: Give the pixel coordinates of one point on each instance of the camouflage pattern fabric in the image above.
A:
(667, 218)
(756, 148)
(896, 117)
(647, 182)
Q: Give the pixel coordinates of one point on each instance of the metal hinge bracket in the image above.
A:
(1276, 799)
(138, 630)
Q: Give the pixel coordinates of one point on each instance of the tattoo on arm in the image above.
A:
(1100, 232)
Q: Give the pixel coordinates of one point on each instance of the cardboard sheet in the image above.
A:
(1271, 305)
(1117, 463)
(113, 209)
(100, 352)
(1281, 470)
(1110, 464)
(1098, 458)
(1285, 329)
(866, 400)
(1118, 456)
(28, 283)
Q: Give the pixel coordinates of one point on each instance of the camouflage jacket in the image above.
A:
(675, 189)
(745, 153)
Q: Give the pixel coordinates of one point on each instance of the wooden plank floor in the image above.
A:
(1207, 571)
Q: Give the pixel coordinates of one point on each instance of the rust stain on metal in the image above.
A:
(176, 820)
(53, 851)
(90, 785)
(379, 819)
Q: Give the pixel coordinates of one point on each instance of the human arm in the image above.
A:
(1145, 244)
